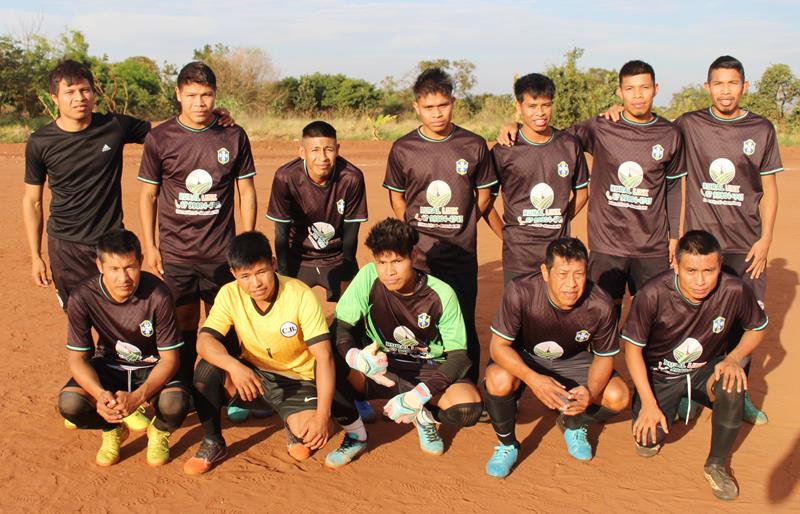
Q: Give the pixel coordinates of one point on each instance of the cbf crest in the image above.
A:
(718, 325)
(423, 320)
(146, 328)
(563, 169)
(462, 167)
(582, 336)
(340, 206)
(657, 152)
(749, 147)
(223, 156)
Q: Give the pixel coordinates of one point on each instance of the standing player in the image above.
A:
(676, 333)
(635, 198)
(318, 203)
(403, 329)
(190, 168)
(135, 358)
(542, 336)
(543, 180)
(286, 360)
(439, 178)
(731, 158)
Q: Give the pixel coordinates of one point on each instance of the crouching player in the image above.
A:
(286, 361)
(402, 332)
(541, 337)
(676, 334)
(136, 356)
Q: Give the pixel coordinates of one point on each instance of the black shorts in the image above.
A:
(113, 379)
(284, 395)
(669, 391)
(329, 278)
(570, 372)
(70, 264)
(735, 264)
(406, 374)
(613, 273)
(191, 282)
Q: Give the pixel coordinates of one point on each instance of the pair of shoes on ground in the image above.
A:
(157, 453)
(138, 421)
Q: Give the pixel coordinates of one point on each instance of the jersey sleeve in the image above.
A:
(580, 178)
(353, 305)
(676, 168)
(79, 325)
(35, 169)
(640, 319)
(150, 169)
(167, 335)
(395, 178)
(604, 341)
(584, 131)
(355, 210)
(311, 318)
(485, 174)
(751, 315)
(245, 167)
(508, 320)
(220, 319)
(135, 130)
(279, 209)
(772, 157)
(451, 323)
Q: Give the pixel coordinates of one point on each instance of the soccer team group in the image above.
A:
(404, 324)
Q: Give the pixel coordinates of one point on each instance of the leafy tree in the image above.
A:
(777, 93)
(580, 94)
(689, 98)
(462, 71)
(244, 75)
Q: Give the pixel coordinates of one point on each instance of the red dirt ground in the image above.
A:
(49, 469)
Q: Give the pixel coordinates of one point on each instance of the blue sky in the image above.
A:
(373, 39)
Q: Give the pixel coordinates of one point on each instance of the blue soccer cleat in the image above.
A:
(429, 439)
(347, 452)
(577, 444)
(238, 414)
(502, 460)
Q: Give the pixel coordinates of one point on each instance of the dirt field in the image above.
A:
(47, 468)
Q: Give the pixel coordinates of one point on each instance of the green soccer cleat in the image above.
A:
(753, 414)
(108, 454)
(238, 414)
(157, 445)
(138, 420)
(346, 453)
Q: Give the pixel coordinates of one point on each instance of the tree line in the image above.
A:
(249, 83)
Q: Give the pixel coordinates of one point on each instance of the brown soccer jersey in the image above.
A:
(627, 201)
(527, 316)
(438, 179)
(536, 181)
(196, 171)
(725, 160)
(679, 336)
(130, 333)
(317, 214)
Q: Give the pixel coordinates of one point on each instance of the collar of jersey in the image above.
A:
(190, 129)
(271, 301)
(725, 120)
(680, 293)
(426, 138)
(422, 281)
(636, 123)
(533, 143)
(556, 307)
(108, 296)
(330, 180)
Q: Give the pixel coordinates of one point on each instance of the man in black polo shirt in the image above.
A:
(135, 359)
(677, 334)
(556, 333)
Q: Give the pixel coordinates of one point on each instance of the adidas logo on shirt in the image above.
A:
(106, 148)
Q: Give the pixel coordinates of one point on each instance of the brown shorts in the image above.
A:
(613, 273)
(70, 264)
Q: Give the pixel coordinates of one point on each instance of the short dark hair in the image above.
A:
(726, 62)
(636, 67)
(319, 128)
(568, 248)
(697, 242)
(248, 249)
(70, 72)
(118, 241)
(197, 73)
(392, 235)
(536, 85)
(432, 81)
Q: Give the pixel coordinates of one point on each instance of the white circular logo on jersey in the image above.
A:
(199, 182)
(630, 174)
(128, 352)
(688, 351)
(542, 196)
(404, 336)
(320, 233)
(438, 193)
(550, 350)
(288, 329)
(722, 171)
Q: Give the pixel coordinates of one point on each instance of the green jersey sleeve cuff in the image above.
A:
(760, 327)
(356, 220)
(582, 185)
(504, 336)
(633, 341)
(606, 354)
(246, 175)
(679, 175)
(278, 220)
(770, 172)
(79, 348)
(171, 347)
(488, 184)
(148, 181)
(393, 188)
